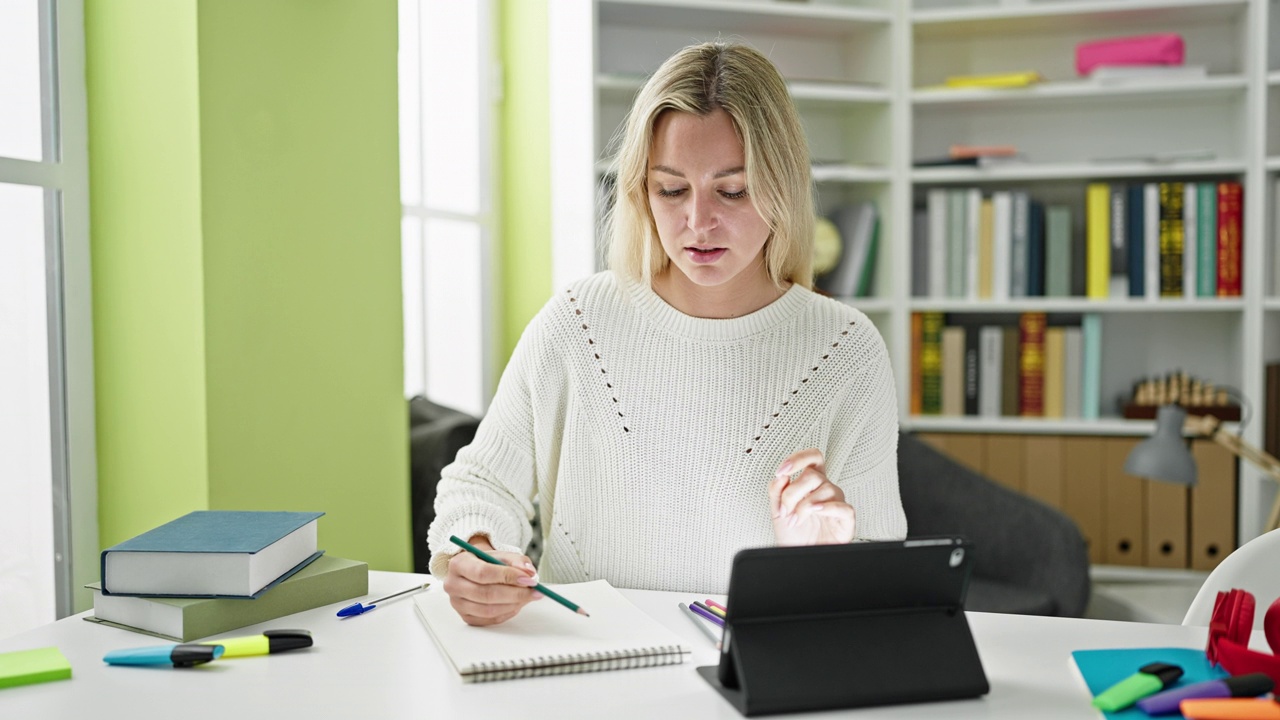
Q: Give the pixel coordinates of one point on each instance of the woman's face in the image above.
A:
(697, 183)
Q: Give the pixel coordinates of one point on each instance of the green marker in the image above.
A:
(495, 561)
(1149, 680)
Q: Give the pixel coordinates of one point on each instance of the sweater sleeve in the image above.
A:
(863, 447)
(489, 488)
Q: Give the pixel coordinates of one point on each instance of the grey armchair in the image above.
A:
(436, 434)
(1029, 558)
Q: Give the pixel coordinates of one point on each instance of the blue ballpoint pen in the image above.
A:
(184, 655)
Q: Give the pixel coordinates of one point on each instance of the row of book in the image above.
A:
(1027, 365)
(1138, 240)
(210, 572)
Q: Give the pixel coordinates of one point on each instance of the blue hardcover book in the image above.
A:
(212, 553)
(1135, 237)
(1035, 249)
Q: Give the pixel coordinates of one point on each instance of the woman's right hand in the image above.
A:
(487, 594)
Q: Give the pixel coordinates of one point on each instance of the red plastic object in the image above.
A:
(1157, 49)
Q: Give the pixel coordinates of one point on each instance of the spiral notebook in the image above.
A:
(547, 639)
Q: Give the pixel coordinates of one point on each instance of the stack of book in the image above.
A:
(209, 572)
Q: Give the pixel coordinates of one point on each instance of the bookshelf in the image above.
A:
(865, 77)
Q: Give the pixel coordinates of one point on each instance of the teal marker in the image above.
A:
(1149, 680)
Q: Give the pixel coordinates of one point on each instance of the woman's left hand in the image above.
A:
(808, 509)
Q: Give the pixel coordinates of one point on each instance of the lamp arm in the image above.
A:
(1212, 427)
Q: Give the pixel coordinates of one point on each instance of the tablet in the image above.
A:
(836, 626)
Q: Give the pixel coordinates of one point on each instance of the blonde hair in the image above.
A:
(739, 80)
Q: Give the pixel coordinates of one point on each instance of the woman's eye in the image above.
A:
(664, 192)
(735, 195)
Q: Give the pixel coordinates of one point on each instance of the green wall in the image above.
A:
(525, 127)
(246, 256)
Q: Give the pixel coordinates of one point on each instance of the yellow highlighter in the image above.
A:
(269, 642)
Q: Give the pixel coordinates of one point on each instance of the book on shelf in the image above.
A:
(1123, 74)
(1171, 239)
(859, 228)
(547, 639)
(931, 363)
(1190, 231)
(986, 249)
(1035, 248)
(1119, 284)
(212, 553)
(1151, 239)
(937, 209)
(915, 404)
(1229, 231)
(1058, 264)
(1031, 365)
(1135, 239)
(1001, 241)
(953, 371)
(1010, 372)
(990, 382)
(1072, 371)
(957, 243)
(1207, 240)
(920, 252)
(1091, 366)
(1054, 390)
(327, 580)
(1019, 231)
(1098, 232)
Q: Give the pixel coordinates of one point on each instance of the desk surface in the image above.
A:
(385, 665)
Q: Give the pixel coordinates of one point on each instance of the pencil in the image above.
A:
(539, 587)
(693, 617)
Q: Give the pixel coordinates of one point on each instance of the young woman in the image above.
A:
(697, 398)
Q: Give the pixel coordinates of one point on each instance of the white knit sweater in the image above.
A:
(649, 437)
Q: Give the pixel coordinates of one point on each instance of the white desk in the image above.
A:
(384, 665)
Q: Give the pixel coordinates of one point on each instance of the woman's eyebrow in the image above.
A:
(723, 173)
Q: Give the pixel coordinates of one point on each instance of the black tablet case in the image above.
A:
(840, 626)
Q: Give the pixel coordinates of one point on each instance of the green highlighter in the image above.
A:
(1150, 679)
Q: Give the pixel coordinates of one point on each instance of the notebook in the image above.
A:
(547, 639)
(1105, 667)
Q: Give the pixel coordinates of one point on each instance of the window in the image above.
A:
(446, 190)
(45, 336)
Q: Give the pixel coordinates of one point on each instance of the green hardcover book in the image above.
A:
(1057, 265)
(1207, 238)
(327, 580)
(25, 667)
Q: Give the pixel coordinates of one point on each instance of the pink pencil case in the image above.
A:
(1159, 49)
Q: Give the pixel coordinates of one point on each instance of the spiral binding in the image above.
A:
(568, 664)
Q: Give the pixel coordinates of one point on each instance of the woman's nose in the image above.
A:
(702, 214)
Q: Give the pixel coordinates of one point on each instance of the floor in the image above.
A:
(1142, 595)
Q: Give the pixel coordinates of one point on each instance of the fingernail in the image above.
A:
(530, 566)
(524, 581)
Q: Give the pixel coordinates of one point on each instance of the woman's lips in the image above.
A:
(708, 256)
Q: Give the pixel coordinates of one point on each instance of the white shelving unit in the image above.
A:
(865, 76)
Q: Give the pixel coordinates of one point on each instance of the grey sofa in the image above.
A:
(1029, 558)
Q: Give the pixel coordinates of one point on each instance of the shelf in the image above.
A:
(1273, 163)
(622, 88)
(1273, 77)
(1074, 171)
(821, 173)
(1082, 89)
(1076, 305)
(1112, 426)
(759, 17)
(1128, 573)
(1040, 17)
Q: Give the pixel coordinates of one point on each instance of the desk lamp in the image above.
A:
(1165, 457)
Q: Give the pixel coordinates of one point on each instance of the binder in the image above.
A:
(1125, 507)
(1213, 505)
(1168, 522)
(1043, 474)
(1083, 499)
(806, 631)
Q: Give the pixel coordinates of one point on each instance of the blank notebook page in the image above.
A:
(547, 638)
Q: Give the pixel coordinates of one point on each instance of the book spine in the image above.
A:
(1229, 215)
(1098, 233)
(1171, 197)
(957, 252)
(1207, 239)
(972, 375)
(937, 210)
(1072, 371)
(1001, 243)
(990, 383)
(1031, 364)
(1010, 373)
(1190, 248)
(986, 250)
(1151, 226)
(1035, 249)
(1091, 366)
(1018, 228)
(865, 276)
(972, 239)
(917, 340)
(1119, 285)
(1135, 241)
(1058, 261)
(953, 371)
(931, 363)
(1054, 371)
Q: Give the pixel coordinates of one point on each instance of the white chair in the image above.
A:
(1254, 566)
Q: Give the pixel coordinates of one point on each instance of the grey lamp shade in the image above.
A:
(1164, 456)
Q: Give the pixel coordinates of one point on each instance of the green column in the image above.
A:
(246, 254)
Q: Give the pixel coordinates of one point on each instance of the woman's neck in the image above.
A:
(746, 293)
